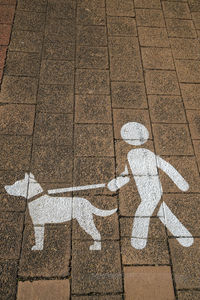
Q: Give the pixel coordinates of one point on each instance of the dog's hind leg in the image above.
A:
(87, 223)
(39, 238)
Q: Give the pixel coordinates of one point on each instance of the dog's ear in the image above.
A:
(26, 175)
(32, 176)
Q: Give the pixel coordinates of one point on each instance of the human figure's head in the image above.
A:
(134, 133)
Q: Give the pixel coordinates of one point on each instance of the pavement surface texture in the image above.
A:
(72, 73)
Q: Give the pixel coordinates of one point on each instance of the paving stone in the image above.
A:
(194, 123)
(92, 57)
(32, 21)
(93, 170)
(8, 2)
(185, 295)
(125, 62)
(176, 10)
(128, 95)
(8, 279)
(161, 82)
(11, 235)
(157, 58)
(188, 70)
(107, 297)
(56, 47)
(122, 116)
(180, 28)
(92, 82)
(147, 4)
(150, 18)
(1, 75)
(151, 283)
(125, 26)
(156, 37)
(5, 31)
(108, 227)
(93, 140)
(187, 167)
(56, 72)
(91, 16)
(15, 152)
(7, 14)
(98, 271)
(23, 64)
(183, 207)
(185, 266)
(61, 10)
(41, 289)
(91, 36)
(185, 48)
(34, 5)
(166, 109)
(55, 99)
(2, 56)
(92, 109)
(18, 90)
(191, 95)
(196, 19)
(197, 151)
(122, 8)
(91, 3)
(26, 41)
(52, 163)
(53, 129)
(194, 5)
(172, 139)
(63, 28)
(53, 260)
(17, 119)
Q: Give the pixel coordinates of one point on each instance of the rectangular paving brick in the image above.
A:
(107, 297)
(55, 99)
(32, 21)
(188, 70)
(17, 119)
(185, 48)
(8, 280)
(120, 8)
(150, 18)
(63, 28)
(2, 56)
(184, 295)
(161, 82)
(176, 10)
(191, 95)
(196, 19)
(147, 4)
(61, 10)
(53, 261)
(34, 5)
(166, 109)
(153, 283)
(26, 41)
(15, 152)
(128, 95)
(87, 277)
(91, 3)
(57, 47)
(92, 57)
(194, 5)
(172, 139)
(92, 82)
(92, 109)
(194, 123)
(197, 151)
(92, 16)
(18, 90)
(124, 26)
(157, 58)
(7, 14)
(125, 62)
(91, 36)
(23, 64)
(53, 289)
(185, 266)
(5, 31)
(180, 28)
(156, 37)
(93, 140)
(56, 72)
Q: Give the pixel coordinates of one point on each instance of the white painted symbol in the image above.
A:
(144, 166)
(47, 209)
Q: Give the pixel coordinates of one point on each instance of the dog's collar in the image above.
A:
(38, 196)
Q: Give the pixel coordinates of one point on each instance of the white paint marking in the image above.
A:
(77, 188)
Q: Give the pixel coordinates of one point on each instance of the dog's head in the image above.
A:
(19, 188)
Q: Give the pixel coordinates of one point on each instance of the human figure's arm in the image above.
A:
(120, 181)
(173, 174)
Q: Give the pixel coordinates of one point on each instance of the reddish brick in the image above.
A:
(8, 2)
(2, 56)
(5, 31)
(7, 14)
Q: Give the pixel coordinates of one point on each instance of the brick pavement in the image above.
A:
(75, 72)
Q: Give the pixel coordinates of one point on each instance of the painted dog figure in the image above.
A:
(47, 209)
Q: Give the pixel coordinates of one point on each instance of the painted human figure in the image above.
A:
(144, 166)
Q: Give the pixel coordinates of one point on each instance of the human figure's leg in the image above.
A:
(182, 235)
(39, 238)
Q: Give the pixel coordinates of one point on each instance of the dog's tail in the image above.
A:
(103, 213)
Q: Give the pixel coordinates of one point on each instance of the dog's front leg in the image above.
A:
(39, 238)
